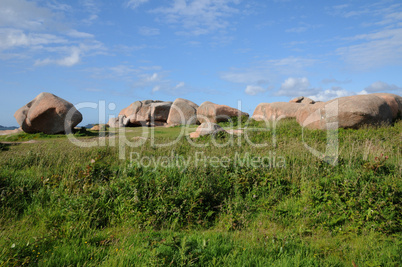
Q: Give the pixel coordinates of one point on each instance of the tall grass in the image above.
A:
(65, 205)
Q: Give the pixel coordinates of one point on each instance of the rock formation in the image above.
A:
(347, 112)
(394, 102)
(211, 112)
(182, 112)
(48, 114)
(302, 100)
(277, 110)
(207, 128)
(145, 113)
(344, 112)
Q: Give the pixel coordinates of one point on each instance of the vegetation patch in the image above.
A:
(205, 203)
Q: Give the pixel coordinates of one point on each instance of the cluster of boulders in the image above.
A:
(142, 113)
(344, 112)
(50, 114)
(179, 112)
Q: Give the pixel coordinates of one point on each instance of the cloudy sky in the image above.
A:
(222, 51)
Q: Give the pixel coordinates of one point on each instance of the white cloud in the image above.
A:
(128, 73)
(24, 15)
(328, 94)
(28, 30)
(145, 78)
(151, 78)
(254, 90)
(72, 59)
(123, 70)
(381, 87)
(90, 19)
(385, 12)
(68, 61)
(264, 71)
(92, 7)
(180, 85)
(332, 80)
(363, 92)
(293, 63)
(296, 87)
(257, 78)
(70, 55)
(148, 31)
(293, 87)
(382, 46)
(133, 4)
(12, 38)
(58, 6)
(390, 18)
(158, 82)
(77, 34)
(245, 76)
(295, 83)
(377, 49)
(199, 17)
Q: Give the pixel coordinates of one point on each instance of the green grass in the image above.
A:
(21, 137)
(64, 205)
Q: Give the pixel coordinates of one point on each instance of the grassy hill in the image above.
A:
(257, 199)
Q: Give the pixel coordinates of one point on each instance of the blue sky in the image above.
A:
(217, 50)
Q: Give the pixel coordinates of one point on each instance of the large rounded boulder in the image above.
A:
(116, 122)
(211, 112)
(277, 110)
(182, 112)
(146, 113)
(48, 114)
(394, 102)
(346, 112)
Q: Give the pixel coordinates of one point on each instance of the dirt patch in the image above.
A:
(6, 132)
(25, 142)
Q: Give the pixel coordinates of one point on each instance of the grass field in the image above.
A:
(218, 201)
